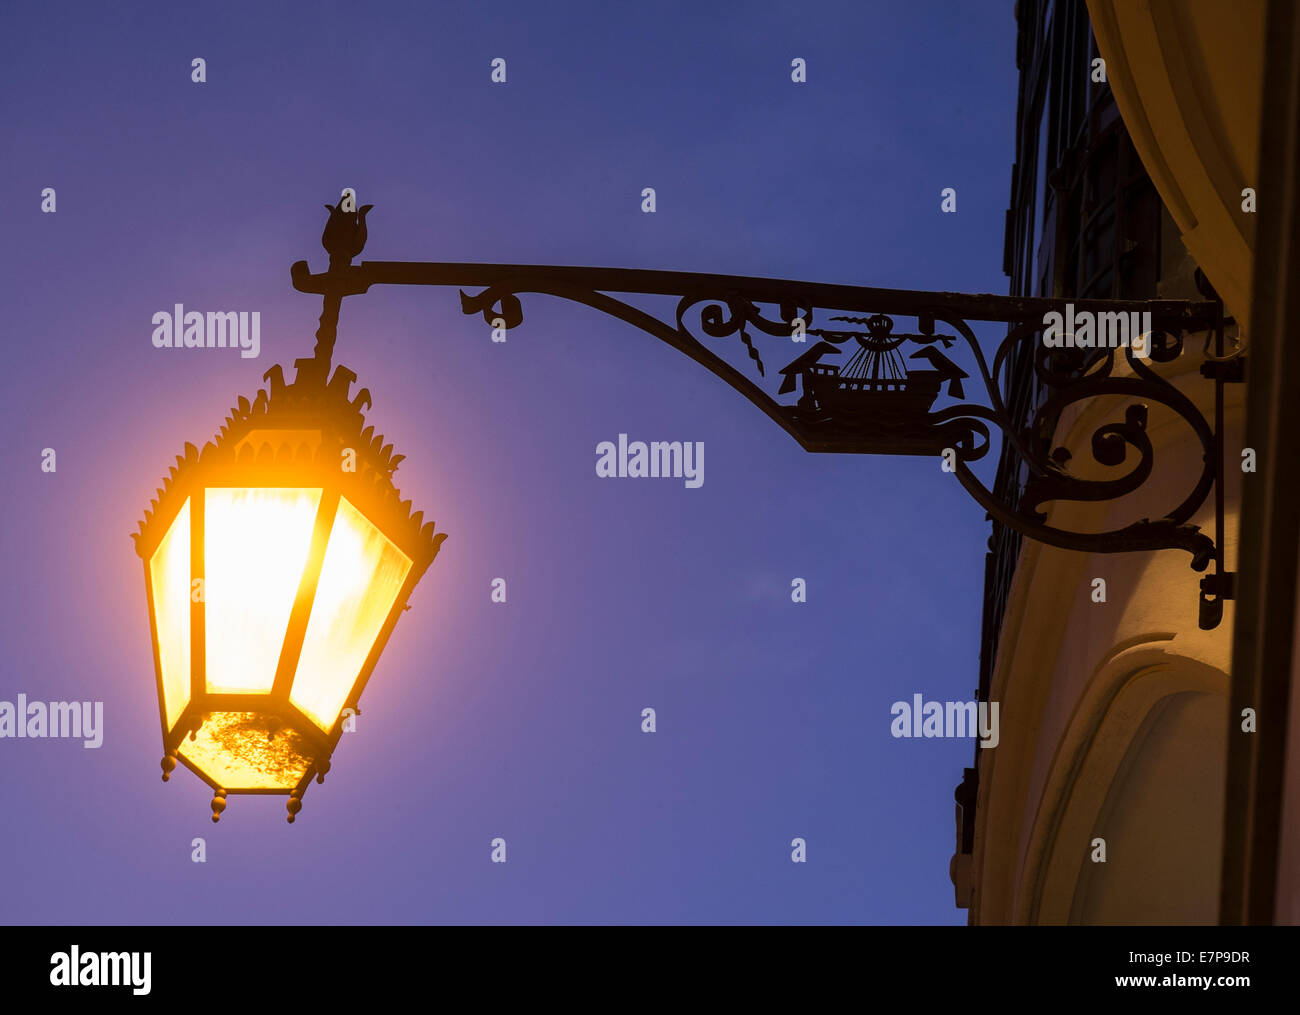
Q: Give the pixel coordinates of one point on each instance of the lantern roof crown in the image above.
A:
(297, 433)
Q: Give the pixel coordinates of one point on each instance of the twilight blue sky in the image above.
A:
(482, 720)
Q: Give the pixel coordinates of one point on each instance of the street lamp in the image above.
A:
(277, 561)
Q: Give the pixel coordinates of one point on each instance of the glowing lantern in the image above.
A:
(277, 561)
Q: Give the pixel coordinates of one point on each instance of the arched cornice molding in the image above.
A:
(1186, 77)
(1125, 689)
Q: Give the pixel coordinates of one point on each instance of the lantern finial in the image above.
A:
(218, 805)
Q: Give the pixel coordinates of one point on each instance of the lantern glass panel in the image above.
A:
(248, 751)
(360, 579)
(255, 547)
(169, 575)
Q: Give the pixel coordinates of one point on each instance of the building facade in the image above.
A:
(1137, 139)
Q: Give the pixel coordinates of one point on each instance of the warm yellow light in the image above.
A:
(360, 578)
(248, 750)
(169, 574)
(255, 546)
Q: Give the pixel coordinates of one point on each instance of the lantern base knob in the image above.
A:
(294, 805)
(218, 805)
(168, 765)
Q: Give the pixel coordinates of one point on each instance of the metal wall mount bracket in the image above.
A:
(859, 383)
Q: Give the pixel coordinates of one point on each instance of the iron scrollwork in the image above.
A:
(861, 384)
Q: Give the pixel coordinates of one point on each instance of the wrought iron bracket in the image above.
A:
(893, 390)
